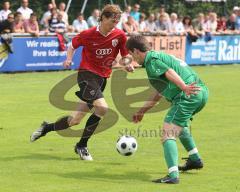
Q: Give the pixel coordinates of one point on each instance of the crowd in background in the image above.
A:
(55, 20)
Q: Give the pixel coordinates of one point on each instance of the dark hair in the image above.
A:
(33, 14)
(80, 14)
(110, 10)
(138, 42)
(17, 14)
(187, 18)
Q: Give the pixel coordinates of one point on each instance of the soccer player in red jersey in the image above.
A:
(101, 46)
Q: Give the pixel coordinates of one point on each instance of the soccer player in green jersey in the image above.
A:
(173, 79)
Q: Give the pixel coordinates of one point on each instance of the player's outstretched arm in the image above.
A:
(171, 75)
(151, 102)
(70, 52)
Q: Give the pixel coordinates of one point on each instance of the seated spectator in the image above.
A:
(150, 24)
(47, 14)
(5, 11)
(130, 26)
(93, 19)
(198, 24)
(126, 13)
(31, 25)
(80, 24)
(162, 24)
(187, 23)
(222, 24)
(18, 23)
(142, 23)
(135, 13)
(6, 26)
(57, 25)
(231, 25)
(25, 10)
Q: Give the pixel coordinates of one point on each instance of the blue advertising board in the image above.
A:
(222, 49)
(35, 54)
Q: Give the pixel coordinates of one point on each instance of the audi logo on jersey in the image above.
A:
(103, 51)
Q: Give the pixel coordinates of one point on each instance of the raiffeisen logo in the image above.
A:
(3, 54)
(229, 51)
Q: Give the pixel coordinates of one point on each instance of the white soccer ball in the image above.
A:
(126, 145)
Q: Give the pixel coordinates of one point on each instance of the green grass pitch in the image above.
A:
(51, 165)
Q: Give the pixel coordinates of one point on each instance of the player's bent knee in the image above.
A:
(73, 121)
(170, 132)
(101, 110)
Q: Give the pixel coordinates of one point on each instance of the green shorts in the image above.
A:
(183, 107)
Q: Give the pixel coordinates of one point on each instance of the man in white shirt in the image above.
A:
(80, 24)
(5, 11)
(93, 20)
(26, 12)
(150, 23)
(47, 14)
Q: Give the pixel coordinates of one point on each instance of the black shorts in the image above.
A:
(91, 86)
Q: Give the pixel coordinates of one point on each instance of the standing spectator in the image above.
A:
(31, 25)
(61, 9)
(172, 24)
(231, 25)
(25, 10)
(47, 14)
(6, 26)
(126, 13)
(179, 27)
(5, 11)
(238, 20)
(162, 24)
(235, 9)
(80, 24)
(130, 26)
(161, 12)
(51, 20)
(211, 24)
(135, 13)
(57, 25)
(150, 23)
(222, 24)
(93, 19)
(142, 23)
(18, 23)
(198, 24)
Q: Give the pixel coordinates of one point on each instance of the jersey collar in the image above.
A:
(97, 29)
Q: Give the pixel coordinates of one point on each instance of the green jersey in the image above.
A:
(157, 63)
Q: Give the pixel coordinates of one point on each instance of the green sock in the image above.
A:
(189, 144)
(171, 157)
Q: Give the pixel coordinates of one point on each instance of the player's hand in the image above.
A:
(137, 117)
(129, 68)
(191, 89)
(67, 64)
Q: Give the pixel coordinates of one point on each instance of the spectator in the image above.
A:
(179, 27)
(130, 26)
(31, 25)
(198, 24)
(6, 26)
(162, 24)
(47, 14)
(93, 19)
(142, 23)
(150, 24)
(222, 24)
(161, 12)
(61, 9)
(211, 24)
(5, 11)
(238, 20)
(231, 25)
(235, 9)
(126, 13)
(175, 27)
(24, 10)
(18, 23)
(187, 23)
(80, 24)
(58, 25)
(51, 20)
(135, 13)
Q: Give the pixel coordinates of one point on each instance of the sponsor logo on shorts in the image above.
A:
(107, 51)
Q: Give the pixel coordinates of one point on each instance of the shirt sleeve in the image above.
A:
(123, 49)
(78, 41)
(158, 68)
